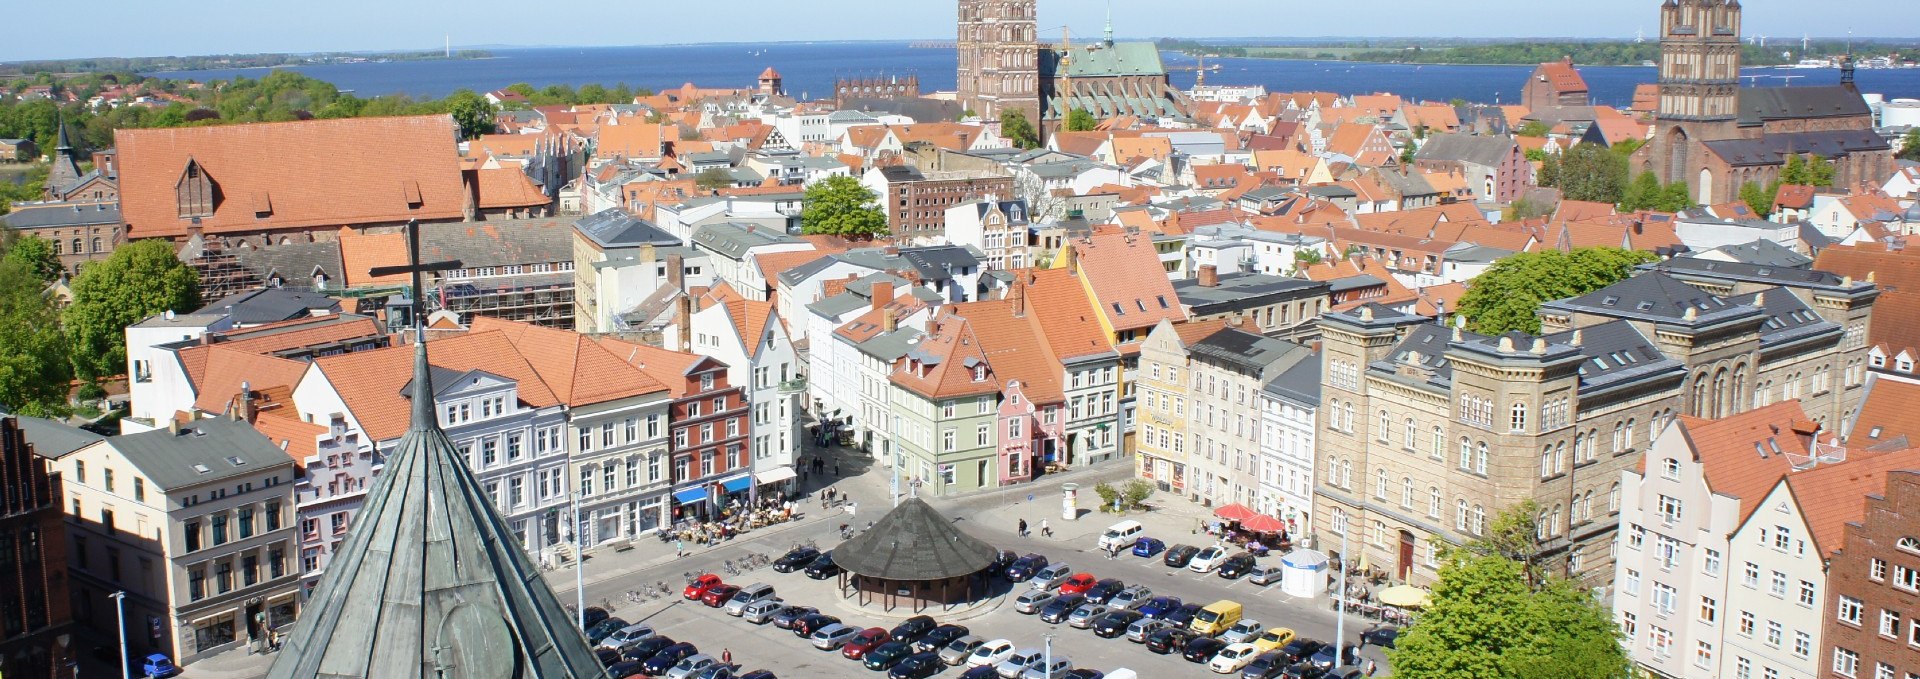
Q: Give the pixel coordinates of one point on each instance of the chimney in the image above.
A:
(243, 407)
(887, 322)
(1073, 260)
(683, 319)
(1018, 295)
(676, 272)
(1209, 276)
(173, 424)
(647, 254)
(882, 293)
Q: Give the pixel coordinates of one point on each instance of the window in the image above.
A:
(273, 516)
(139, 489)
(1806, 593)
(1889, 624)
(192, 533)
(982, 434)
(1709, 610)
(1670, 509)
(1713, 562)
(948, 440)
(1703, 654)
(219, 529)
(1630, 582)
(586, 480)
(1672, 470)
(1905, 578)
(1845, 663)
(1877, 570)
(1750, 575)
(1773, 633)
(1433, 502)
(1664, 598)
(1746, 623)
(1850, 610)
(1778, 585)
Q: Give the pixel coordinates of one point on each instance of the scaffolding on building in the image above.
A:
(545, 300)
(221, 274)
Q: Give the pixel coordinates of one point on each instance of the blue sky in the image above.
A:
(180, 27)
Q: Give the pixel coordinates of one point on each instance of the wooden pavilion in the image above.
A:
(916, 557)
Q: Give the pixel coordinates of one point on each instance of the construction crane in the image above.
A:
(1199, 69)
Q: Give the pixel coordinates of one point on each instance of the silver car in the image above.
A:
(1031, 602)
(1246, 630)
(1041, 670)
(832, 636)
(1138, 631)
(692, 665)
(1131, 598)
(1051, 576)
(956, 651)
(1263, 575)
(759, 612)
(1017, 663)
(1082, 617)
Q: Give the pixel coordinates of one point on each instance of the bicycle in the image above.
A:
(728, 565)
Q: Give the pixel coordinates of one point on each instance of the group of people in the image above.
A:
(734, 520)
(1045, 530)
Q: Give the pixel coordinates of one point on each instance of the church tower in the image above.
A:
(1699, 86)
(999, 57)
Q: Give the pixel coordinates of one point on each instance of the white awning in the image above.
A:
(776, 475)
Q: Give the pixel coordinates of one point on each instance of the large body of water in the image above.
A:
(810, 70)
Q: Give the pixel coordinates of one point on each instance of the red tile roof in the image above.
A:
(294, 175)
(370, 382)
(227, 369)
(1562, 77)
(1891, 411)
(1832, 495)
(299, 439)
(1726, 450)
(508, 187)
(578, 371)
(1123, 270)
(665, 366)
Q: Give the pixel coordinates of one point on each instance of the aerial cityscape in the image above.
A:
(961, 343)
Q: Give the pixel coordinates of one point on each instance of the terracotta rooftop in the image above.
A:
(371, 382)
(227, 369)
(1890, 416)
(665, 366)
(1744, 455)
(578, 371)
(1123, 273)
(508, 187)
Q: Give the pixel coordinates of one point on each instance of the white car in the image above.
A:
(1233, 658)
(692, 666)
(1244, 631)
(990, 653)
(1207, 560)
(1018, 663)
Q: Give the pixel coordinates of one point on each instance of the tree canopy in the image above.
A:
(1492, 617)
(1810, 170)
(471, 112)
(1588, 172)
(1507, 295)
(713, 179)
(1015, 126)
(34, 371)
(1910, 145)
(1647, 193)
(1081, 120)
(140, 279)
(36, 255)
(1759, 198)
(842, 206)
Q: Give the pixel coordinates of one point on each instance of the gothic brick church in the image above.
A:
(1004, 66)
(1718, 136)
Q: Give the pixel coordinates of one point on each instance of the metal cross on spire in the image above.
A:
(422, 389)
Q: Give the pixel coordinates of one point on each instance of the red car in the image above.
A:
(865, 641)
(698, 588)
(1078, 584)
(718, 595)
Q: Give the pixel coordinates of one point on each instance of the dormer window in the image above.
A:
(195, 193)
(979, 373)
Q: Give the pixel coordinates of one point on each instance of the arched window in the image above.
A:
(1909, 544)
(1349, 427)
(1333, 472)
(1346, 473)
(1553, 525)
(1439, 443)
(1466, 454)
(1412, 435)
(1479, 520)
(77, 247)
(1629, 442)
(1519, 416)
(1480, 459)
(1613, 499)
(1546, 461)
(1380, 484)
(1560, 457)
(1433, 501)
(1616, 437)
(96, 244)
(1460, 516)
(1406, 491)
(56, 247)
(1386, 428)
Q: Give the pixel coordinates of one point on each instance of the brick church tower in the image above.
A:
(1699, 88)
(999, 57)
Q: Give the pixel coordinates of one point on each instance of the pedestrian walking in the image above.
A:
(836, 469)
(726, 656)
(1045, 530)
(1023, 528)
(1371, 668)
(679, 548)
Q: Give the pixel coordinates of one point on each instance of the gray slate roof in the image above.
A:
(1244, 291)
(1773, 149)
(1654, 296)
(1764, 252)
(913, 543)
(1616, 353)
(61, 215)
(269, 305)
(52, 439)
(614, 228)
(733, 239)
(1252, 353)
(1476, 149)
(1761, 104)
(222, 447)
(1300, 383)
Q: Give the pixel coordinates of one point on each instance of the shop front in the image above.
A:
(691, 504)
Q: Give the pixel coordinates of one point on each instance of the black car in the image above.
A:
(759, 674)
(912, 629)
(917, 666)
(807, 625)
(1024, 567)
(1202, 649)
(1104, 590)
(625, 669)
(981, 672)
(1235, 566)
(886, 655)
(607, 656)
(646, 648)
(1001, 561)
(1265, 666)
(594, 615)
(1170, 640)
(600, 630)
(823, 567)
(1303, 671)
(667, 658)
(1177, 556)
(785, 617)
(795, 560)
(1085, 673)
(1383, 637)
(1183, 615)
(1115, 624)
(1300, 649)
(939, 638)
(1056, 611)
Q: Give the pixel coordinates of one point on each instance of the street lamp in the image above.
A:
(120, 611)
(579, 564)
(1047, 660)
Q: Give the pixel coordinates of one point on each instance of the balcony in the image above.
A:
(795, 385)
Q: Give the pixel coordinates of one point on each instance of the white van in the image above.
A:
(1121, 535)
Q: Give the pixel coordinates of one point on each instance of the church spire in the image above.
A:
(1109, 23)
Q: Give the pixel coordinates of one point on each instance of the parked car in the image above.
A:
(603, 629)
(1235, 566)
(1057, 610)
(886, 655)
(795, 559)
(1300, 649)
(990, 654)
(913, 628)
(718, 595)
(1001, 561)
(717, 671)
(786, 616)
(1233, 658)
(832, 636)
(607, 656)
(1104, 591)
(1086, 673)
(759, 612)
(1115, 623)
(759, 674)
(1246, 630)
(823, 567)
(1043, 668)
(981, 672)
(1265, 666)
(916, 666)
(937, 639)
(1079, 583)
(691, 665)
(957, 651)
(1025, 567)
(1264, 575)
(1183, 616)
(667, 658)
(646, 648)
(592, 617)
(698, 588)
(1207, 560)
(1084, 616)
(1147, 547)
(1138, 631)
(1383, 637)
(626, 635)
(1170, 640)
(1160, 606)
(1178, 556)
(736, 605)
(1324, 659)
(1018, 662)
(807, 625)
(863, 641)
(1031, 602)
(1273, 639)
(1303, 671)
(1131, 597)
(1202, 649)
(1051, 576)
(626, 668)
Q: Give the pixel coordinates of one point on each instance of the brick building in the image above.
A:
(1003, 66)
(1554, 84)
(916, 202)
(1871, 625)
(35, 613)
(708, 423)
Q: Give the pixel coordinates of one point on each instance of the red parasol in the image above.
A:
(1261, 523)
(1235, 512)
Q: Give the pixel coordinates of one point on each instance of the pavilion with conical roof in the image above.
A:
(432, 583)
(915, 555)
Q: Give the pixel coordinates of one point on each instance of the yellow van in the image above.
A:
(1216, 617)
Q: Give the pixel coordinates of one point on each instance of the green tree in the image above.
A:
(140, 279)
(34, 371)
(36, 255)
(522, 89)
(1810, 170)
(1080, 120)
(1910, 145)
(1015, 126)
(1108, 495)
(842, 206)
(471, 112)
(1533, 128)
(1508, 294)
(1759, 198)
(1647, 193)
(1135, 493)
(1588, 172)
(713, 179)
(1491, 618)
